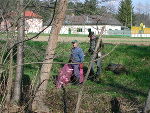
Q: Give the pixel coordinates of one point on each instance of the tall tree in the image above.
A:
(90, 7)
(44, 8)
(125, 13)
(38, 104)
(19, 70)
(6, 6)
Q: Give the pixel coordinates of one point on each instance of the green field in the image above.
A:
(4, 35)
(86, 35)
(131, 88)
(63, 35)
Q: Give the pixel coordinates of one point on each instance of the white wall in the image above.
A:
(33, 25)
(48, 30)
(140, 35)
(4, 25)
(94, 28)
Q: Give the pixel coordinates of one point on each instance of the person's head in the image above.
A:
(89, 30)
(74, 43)
(90, 34)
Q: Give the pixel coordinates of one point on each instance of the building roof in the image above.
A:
(31, 14)
(105, 19)
(27, 14)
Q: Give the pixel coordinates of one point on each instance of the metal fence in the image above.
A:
(119, 32)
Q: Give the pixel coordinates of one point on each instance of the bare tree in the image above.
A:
(38, 104)
(19, 70)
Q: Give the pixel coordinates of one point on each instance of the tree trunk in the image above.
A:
(10, 77)
(147, 106)
(19, 70)
(38, 104)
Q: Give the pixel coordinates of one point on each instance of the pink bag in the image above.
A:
(64, 76)
(81, 75)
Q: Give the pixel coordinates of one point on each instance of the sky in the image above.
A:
(141, 1)
(143, 5)
(134, 1)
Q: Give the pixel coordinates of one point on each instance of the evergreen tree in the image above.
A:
(79, 9)
(125, 13)
(91, 7)
(88, 7)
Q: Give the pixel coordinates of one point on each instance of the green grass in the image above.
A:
(3, 35)
(33, 34)
(74, 35)
(135, 58)
(63, 35)
(133, 86)
(86, 35)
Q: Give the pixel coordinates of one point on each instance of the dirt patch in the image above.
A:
(144, 42)
(63, 39)
(91, 103)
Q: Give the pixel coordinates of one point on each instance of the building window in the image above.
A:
(79, 29)
(69, 31)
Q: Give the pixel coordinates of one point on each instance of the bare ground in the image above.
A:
(145, 42)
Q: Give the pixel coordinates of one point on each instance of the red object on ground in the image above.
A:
(64, 76)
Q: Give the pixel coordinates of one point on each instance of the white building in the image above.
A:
(83, 29)
(33, 22)
(82, 24)
(72, 24)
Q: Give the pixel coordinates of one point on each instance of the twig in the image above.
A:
(37, 33)
(88, 72)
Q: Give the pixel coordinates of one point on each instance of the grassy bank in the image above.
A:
(135, 58)
(130, 89)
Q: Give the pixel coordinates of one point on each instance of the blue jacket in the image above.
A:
(77, 55)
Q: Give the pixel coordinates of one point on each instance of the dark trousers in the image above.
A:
(98, 67)
(92, 45)
(76, 70)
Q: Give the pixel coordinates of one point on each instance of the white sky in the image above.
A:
(143, 5)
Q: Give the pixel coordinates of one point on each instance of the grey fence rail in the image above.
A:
(119, 32)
